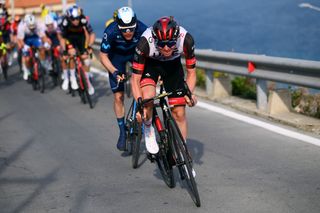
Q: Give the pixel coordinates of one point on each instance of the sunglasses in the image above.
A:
(127, 30)
(169, 43)
(74, 18)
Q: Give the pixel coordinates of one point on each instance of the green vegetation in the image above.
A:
(244, 88)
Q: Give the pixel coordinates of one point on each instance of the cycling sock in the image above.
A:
(65, 74)
(72, 73)
(121, 124)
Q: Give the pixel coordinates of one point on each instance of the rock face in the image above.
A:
(305, 103)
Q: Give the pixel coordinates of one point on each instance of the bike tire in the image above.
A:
(4, 72)
(127, 88)
(164, 165)
(85, 89)
(184, 161)
(135, 139)
(41, 78)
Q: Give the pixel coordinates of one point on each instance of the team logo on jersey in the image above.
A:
(65, 23)
(104, 46)
(181, 35)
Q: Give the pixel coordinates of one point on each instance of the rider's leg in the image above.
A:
(118, 107)
(149, 91)
(179, 114)
(73, 79)
(86, 67)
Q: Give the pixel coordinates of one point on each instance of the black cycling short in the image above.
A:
(78, 42)
(172, 75)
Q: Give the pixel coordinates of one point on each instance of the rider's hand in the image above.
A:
(117, 75)
(25, 48)
(192, 102)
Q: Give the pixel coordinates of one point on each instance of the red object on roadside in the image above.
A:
(251, 67)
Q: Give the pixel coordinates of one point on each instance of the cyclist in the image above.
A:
(77, 33)
(117, 48)
(31, 33)
(158, 53)
(5, 27)
(53, 34)
(114, 17)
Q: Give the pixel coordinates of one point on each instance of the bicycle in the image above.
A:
(4, 61)
(82, 81)
(38, 71)
(56, 65)
(134, 134)
(173, 151)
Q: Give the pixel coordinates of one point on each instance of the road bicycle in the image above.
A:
(83, 81)
(56, 65)
(4, 61)
(173, 150)
(134, 134)
(38, 72)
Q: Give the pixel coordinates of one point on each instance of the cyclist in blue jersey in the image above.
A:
(118, 45)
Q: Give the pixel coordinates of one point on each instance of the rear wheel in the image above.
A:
(164, 164)
(42, 78)
(135, 138)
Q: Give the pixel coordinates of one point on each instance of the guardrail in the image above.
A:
(263, 68)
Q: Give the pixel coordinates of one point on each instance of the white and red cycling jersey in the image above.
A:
(147, 48)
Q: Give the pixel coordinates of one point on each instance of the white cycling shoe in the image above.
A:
(91, 90)
(25, 75)
(65, 84)
(74, 84)
(150, 139)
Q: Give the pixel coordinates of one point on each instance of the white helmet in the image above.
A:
(48, 20)
(30, 20)
(126, 18)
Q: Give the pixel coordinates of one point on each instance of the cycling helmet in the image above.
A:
(48, 20)
(165, 29)
(30, 20)
(126, 18)
(74, 12)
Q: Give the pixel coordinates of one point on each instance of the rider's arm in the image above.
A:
(188, 49)
(139, 60)
(20, 35)
(105, 49)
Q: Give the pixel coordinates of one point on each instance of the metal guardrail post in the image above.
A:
(262, 94)
(209, 82)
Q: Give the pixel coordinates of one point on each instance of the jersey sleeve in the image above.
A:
(140, 55)
(20, 31)
(107, 38)
(84, 21)
(188, 49)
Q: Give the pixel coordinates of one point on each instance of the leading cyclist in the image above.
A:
(78, 34)
(158, 53)
(117, 48)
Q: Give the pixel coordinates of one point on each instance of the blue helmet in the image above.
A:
(74, 12)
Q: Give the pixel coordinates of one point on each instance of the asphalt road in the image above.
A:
(57, 155)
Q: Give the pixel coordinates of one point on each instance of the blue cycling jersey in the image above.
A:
(114, 43)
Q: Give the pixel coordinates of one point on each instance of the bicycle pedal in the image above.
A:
(151, 157)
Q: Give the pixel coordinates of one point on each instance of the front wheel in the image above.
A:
(184, 161)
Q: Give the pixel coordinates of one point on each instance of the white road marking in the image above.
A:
(265, 125)
(247, 119)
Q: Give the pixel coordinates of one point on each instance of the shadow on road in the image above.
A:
(6, 182)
